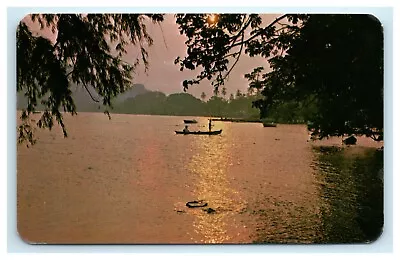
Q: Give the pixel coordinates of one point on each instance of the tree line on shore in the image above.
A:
(239, 105)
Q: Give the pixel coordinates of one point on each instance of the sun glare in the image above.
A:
(212, 19)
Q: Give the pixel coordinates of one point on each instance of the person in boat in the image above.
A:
(186, 129)
(209, 125)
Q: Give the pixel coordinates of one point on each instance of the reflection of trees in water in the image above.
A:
(285, 222)
(351, 194)
(349, 208)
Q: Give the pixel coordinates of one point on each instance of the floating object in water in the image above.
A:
(199, 132)
(196, 204)
(265, 124)
(210, 210)
(190, 121)
(350, 140)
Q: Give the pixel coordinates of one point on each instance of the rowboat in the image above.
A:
(199, 132)
(265, 124)
(190, 121)
(196, 204)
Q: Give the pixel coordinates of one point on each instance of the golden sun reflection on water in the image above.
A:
(212, 185)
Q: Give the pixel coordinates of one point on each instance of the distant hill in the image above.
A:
(83, 101)
(137, 89)
(157, 103)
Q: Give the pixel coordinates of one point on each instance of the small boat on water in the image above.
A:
(190, 121)
(265, 124)
(199, 132)
(196, 204)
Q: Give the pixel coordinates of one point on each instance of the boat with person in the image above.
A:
(190, 121)
(217, 132)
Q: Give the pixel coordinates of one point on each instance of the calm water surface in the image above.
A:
(127, 181)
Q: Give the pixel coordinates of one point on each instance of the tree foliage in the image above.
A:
(89, 51)
(213, 47)
(332, 62)
(184, 104)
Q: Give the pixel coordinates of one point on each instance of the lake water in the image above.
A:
(127, 180)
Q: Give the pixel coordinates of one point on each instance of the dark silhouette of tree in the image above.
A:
(333, 62)
(223, 92)
(254, 77)
(238, 93)
(231, 97)
(88, 51)
(336, 63)
(215, 106)
(203, 96)
(250, 91)
(216, 92)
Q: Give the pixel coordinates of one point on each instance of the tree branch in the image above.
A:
(162, 33)
(90, 94)
(285, 26)
(231, 54)
(260, 32)
(243, 42)
(69, 73)
(237, 59)
(55, 45)
(240, 32)
(84, 84)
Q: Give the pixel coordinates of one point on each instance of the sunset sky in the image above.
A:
(165, 76)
